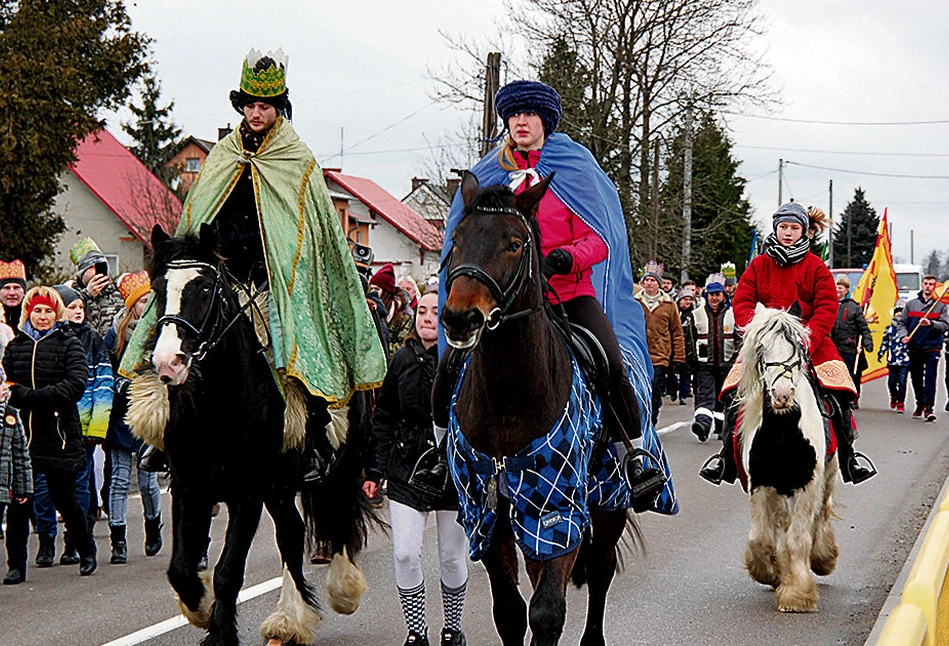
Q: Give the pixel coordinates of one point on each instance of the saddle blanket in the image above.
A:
(550, 483)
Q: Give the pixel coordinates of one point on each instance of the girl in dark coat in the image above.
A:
(47, 368)
(402, 433)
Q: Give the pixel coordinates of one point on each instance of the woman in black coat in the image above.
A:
(47, 368)
(403, 454)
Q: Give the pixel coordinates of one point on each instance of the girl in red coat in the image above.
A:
(784, 274)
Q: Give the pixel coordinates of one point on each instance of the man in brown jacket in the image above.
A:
(663, 331)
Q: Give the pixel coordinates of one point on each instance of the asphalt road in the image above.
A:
(688, 588)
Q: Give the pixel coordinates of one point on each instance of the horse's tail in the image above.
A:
(591, 555)
(336, 511)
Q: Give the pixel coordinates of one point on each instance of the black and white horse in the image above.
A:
(214, 405)
(790, 476)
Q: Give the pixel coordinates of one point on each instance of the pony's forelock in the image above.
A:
(768, 328)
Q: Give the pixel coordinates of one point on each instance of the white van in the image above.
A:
(909, 280)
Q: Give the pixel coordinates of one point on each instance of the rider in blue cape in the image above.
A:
(586, 254)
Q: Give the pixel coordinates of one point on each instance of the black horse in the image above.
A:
(515, 389)
(224, 440)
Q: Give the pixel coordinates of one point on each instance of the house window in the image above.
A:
(192, 165)
(113, 260)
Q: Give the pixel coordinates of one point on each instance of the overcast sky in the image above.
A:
(362, 66)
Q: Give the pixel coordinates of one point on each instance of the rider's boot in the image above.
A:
(645, 482)
(319, 457)
(151, 459)
(721, 467)
(851, 469)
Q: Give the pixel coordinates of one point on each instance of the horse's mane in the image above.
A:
(187, 246)
(768, 327)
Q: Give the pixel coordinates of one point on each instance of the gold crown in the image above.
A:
(268, 82)
(12, 270)
(133, 286)
(728, 269)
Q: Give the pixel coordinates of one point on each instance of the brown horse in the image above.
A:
(516, 387)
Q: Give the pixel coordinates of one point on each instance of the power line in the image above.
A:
(840, 123)
(841, 152)
(384, 130)
(869, 173)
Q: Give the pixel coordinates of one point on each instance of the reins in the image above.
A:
(209, 338)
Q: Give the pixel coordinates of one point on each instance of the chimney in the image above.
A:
(418, 181)
(451, 185)
(223, 132)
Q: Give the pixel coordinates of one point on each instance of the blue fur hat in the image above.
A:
(529, 96)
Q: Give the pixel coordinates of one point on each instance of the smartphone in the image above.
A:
(102, 269)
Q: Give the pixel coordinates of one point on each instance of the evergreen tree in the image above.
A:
(933, 264)
(63, 62)
(721, 222)
(862, 222)
(155, 135)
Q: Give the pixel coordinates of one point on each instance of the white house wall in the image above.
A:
(86, 216)
(391, 245)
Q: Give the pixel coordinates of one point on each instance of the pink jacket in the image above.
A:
(561, 228)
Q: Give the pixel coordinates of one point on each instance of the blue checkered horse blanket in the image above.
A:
(550, 482)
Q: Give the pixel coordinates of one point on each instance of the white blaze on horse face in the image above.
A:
(168, 358)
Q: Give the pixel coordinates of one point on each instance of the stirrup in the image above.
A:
(645, 484)
(316, 467)
(713, 470)
(865, 472)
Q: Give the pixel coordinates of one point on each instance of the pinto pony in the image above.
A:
(516, 387)
(219, 415)
(791, 474)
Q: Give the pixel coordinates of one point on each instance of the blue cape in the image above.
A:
(582, 185)
(586, 190)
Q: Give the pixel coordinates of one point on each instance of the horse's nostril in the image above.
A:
(165, 379)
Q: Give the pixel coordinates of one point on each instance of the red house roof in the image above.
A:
(389, 208)
(124, 184)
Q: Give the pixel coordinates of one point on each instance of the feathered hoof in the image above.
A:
(824, 566)
(759, 561)
(200, 618)
(345, 584)
(792, 599)
(293, 621)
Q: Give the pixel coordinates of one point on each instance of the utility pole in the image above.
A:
(780, 181)
(912, 255)
(849, 230)
(687, 197)
(489, 119)
(655, 200)
(341, 146)
(830, 231)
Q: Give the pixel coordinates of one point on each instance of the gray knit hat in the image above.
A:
(790, 212)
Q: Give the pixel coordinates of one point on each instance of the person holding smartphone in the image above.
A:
(101, 296)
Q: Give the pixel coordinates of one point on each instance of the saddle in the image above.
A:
(590, 355)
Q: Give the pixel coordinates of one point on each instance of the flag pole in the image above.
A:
(945, 287)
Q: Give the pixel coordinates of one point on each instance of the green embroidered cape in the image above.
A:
(327, 338)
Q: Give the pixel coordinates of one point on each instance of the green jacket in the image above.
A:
(326, 335)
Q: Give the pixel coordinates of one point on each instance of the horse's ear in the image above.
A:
(159, 235)
(469, 187)
(795, 309)
(208, 238)
(527, 201)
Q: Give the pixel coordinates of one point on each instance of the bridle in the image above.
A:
(213, 328)
(503, 296)
(788, 367)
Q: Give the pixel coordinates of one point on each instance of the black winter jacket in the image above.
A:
(49, 378)
(402, 427)
(849, 325)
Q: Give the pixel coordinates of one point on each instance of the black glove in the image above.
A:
(558, 261)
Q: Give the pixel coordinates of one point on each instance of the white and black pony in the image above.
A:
(225, 442)
(791, 474)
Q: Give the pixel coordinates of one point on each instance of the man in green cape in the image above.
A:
(263, 193)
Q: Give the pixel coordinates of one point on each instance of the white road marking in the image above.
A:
(150, 632)
(673, 427)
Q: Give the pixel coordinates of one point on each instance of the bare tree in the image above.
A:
(626, 70)
(152, 202)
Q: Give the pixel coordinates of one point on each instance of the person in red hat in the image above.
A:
(398, 318)
(12, 290)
